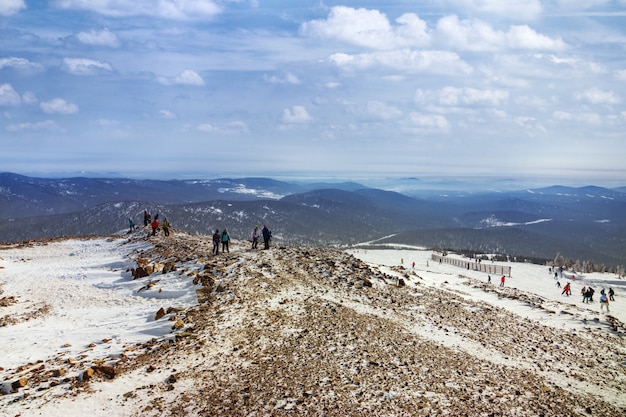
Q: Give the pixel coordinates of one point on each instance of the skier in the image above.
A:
(604, 302)
(567, 290)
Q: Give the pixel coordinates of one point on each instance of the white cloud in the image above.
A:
(296, 115)
(620, 75)
(404, 60)
(287, 78)
(83, 66)
(19, 64)
(586, 118)
(377, 110)
(47, 125)
(166, 114)
(10, 7)
(597, 96)
(99, 38)
(187, 77)
(477, 35)
(518, 9)
(523, 37)
(430, 121)
(454, 96)
(166, 9)
(8, 96)
(369, 28)
(58, 105)
(230, 128)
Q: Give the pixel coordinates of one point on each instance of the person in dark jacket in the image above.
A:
(267, 235)
(216, 242)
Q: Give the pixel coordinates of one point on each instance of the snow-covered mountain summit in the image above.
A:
(134, 325)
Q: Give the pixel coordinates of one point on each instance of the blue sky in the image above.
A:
(353, 89)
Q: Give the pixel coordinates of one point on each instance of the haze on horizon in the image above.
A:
(529, 90)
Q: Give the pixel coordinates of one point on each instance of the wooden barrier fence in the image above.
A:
(473, 265)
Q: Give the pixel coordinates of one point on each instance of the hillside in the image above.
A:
(300, 331)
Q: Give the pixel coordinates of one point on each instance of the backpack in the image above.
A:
(603, 298)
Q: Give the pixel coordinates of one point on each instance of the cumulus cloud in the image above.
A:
(58, 105)
(99, 38)
(11, 7)
(296, 115)
(454, 96)
(477, 35)
(19, 64)
(597, 96)
(8, 96)
(83, 66)
(369, 28)
(166, 9)
(404, 60)
(187, 77)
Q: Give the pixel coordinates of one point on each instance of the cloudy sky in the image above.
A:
(182, 88)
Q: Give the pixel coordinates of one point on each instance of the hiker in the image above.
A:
(488, 279)
(502, 281)
(225, 239)
(166, 226)
(267, 235)
(584, 294)
(146, 218)
(255, 237)
(558, 284)
(591, 291)
(216, 242)
(155, 225)
(604, 302)
(131, 225)
(567, 290)
(611, 294)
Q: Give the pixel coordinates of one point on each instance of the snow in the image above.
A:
(85, 304)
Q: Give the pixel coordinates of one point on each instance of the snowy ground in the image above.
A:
(76, 301)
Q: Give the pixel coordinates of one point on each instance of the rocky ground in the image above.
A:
(313, 331)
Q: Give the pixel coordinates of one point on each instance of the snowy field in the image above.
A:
(77, 299)
(531, 278)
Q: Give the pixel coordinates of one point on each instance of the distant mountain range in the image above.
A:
(587, 223)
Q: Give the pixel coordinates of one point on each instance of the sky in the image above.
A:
(191, 88)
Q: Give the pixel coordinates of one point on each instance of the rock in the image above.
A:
(20, 383)
(160, 314)
(105, 370)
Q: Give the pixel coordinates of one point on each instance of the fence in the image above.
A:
(473, 265)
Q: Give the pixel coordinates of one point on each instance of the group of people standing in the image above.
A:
(154, 224)
(223, 238)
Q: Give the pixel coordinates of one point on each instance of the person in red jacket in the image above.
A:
(502, 281)
(155, 225)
